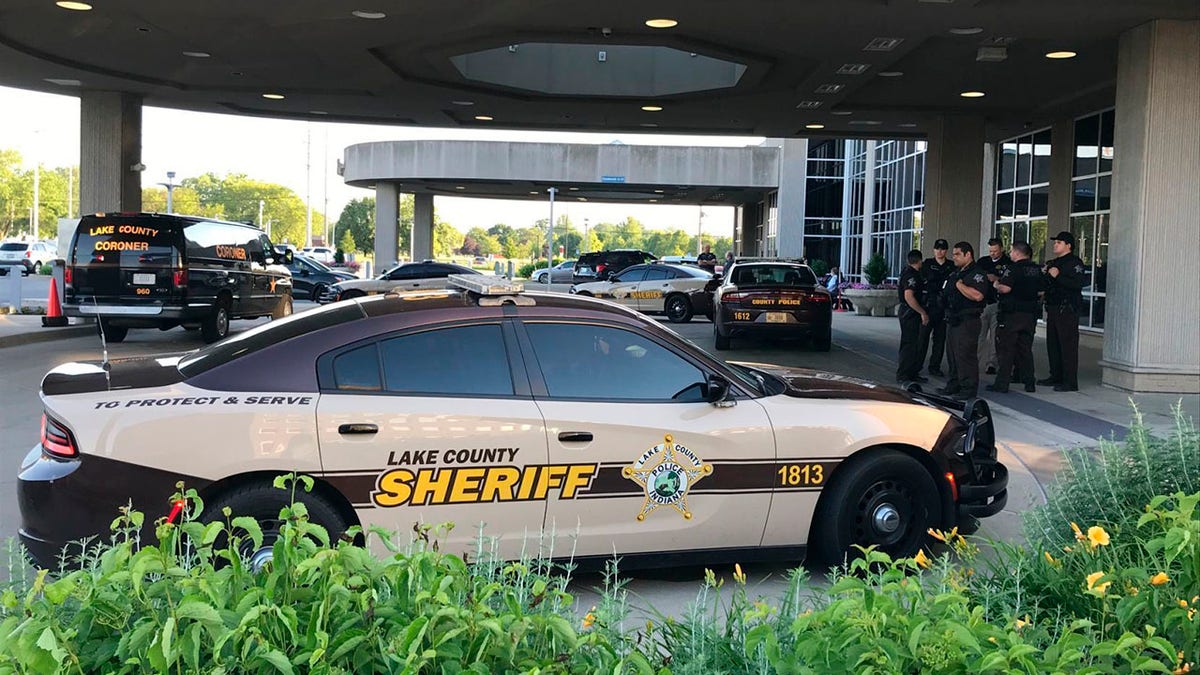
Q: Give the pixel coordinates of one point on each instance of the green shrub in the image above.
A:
(45, 270)
(526, 271)
(876, 270)
(819, 267)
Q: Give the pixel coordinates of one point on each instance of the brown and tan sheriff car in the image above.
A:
(678, 291)
(480, 404)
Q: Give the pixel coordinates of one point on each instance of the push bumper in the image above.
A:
(968, 448)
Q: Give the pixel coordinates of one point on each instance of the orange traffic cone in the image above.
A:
(837, 301)
(54, 317)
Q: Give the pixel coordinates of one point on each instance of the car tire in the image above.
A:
(113, 333)
(263, 501)
(318, 291)
(678, 308)
(283, 308)
(584, 294)
(539, 278)
(721, 342)
(882, 498)
(823, 341)
(216, 326)
(350, 295)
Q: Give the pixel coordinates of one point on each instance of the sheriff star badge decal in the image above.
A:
(666, 473)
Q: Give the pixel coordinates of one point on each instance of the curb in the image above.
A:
(45, 335)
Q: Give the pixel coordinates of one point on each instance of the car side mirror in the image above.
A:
(718, 392)
(304, 272)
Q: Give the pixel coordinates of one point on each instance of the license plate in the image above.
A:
(777, 317)
(143, 279)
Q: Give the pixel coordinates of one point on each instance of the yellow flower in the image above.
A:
(921, 560)
(1097, 536)
(1183, 604)
(1021, 623)
(1093, 586)
(936, 535)
(1133, 590)
(1078, 533)
(1160, 579)
(738, 575)
(1067, 549)
(589, 618)
(992, 640)
(1191, 613)
(1050, 559)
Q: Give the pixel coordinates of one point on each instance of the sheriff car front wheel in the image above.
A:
(884, 499)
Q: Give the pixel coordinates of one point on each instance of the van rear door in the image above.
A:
(125, 258)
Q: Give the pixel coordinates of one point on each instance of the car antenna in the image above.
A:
(103, 347)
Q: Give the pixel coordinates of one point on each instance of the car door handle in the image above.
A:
(347, 429)
(575, 436)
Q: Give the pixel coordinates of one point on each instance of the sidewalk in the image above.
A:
(23, 329)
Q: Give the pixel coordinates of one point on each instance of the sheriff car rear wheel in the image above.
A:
(884, 499)
(263, 502)
(678, 309)
(721, 342)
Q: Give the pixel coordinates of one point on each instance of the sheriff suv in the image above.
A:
(470, 405)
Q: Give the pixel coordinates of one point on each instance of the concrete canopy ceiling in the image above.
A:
(400, 69)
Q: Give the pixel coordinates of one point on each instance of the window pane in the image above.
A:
(1041, 157)
(1106, 141)
(1004, 232)
(658, 274)
(598, 362)
(1087, 134)
(633, 275)
(1008, 165)
(357, 370)
(1024, 160)
(1083, 227)
(465, 361)
(1038, 238)
(1084, 197)
(1103, 192)
(1039, 201)
(1004, 205)
(1021, 203)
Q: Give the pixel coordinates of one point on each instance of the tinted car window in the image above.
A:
(659, 274)
(462, 361)
(633, 275)
(357, 370)
(417, 271)
(13, 246)
(599, 362)
(774, 275)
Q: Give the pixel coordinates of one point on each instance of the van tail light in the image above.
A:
(57, 440)
(179, 278)
(68, 275)
(600, 268)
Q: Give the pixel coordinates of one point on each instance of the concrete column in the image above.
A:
(387, 215)
(422, 232)
(1150, 341)
(954, 182)
(1062, 162)
(793, 193)
(110, 143)
(868, 211)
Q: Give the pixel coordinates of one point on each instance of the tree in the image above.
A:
(183, 200)
(481, 243)
(358, 222)
(446, 239)
(237, 196)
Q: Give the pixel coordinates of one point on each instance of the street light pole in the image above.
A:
(700, 233)
(550, 248)
(170, 185)
(585, 235)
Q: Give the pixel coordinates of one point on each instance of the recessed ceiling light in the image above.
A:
(814, 125)
(891, 73)
(966, 30)
(463, 102)
(460, 187)
(907, 125)
(364, 14)
(647, 124)
(273, 97)
(77, 6)
(143, 29)
(840, 112)
(533, 193)
(653, 201)
(484, 118)
(582, 199)
(652, 108)
(63, 82)
(197, 55)
(572, 189)
(662, 23)
(659, 192)
(1060, 55)
(865, 123)
(317, 112)
(972, 94)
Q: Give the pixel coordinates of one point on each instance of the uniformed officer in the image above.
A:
(1018, 287)
(993, 265)
(966, 301)
(912, 317)
(935, 271)
(1066, 275)
(707, 261)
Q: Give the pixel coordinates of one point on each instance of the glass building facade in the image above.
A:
(1023, 191)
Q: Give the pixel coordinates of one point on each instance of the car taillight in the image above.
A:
(179, 278)
(28, 253)
(733, 297)
(68, 275)
(818, 298)
(56, 439)
(600, 268)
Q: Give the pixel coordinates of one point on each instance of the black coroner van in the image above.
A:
(149, 270)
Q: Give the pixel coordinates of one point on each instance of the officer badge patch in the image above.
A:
(666, 472)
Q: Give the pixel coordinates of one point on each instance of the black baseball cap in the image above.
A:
(941, 244)
(1065, 237)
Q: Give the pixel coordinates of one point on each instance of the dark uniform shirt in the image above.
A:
(994, 268)
(1065, 289)
(972, 276)
(707, 261)
(1026, 280)
(935, 275)
(911, 280)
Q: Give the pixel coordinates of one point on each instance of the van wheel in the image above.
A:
(678, 309)
(282, 308)
(263, 501)
(882, 498)
(216, 326)
(318, 291)
(113, 333)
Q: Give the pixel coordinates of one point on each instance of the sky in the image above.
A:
(45, 128)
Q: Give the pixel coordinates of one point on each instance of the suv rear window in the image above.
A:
(13, 246)
(131, 242)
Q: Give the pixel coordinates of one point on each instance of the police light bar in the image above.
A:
(485, 284)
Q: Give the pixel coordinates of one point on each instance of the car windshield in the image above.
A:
(773, 275)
